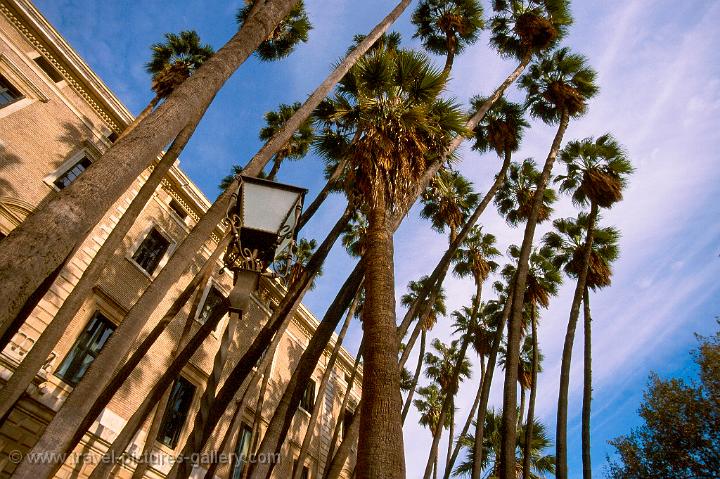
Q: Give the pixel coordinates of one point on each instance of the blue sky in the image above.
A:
(658, 64)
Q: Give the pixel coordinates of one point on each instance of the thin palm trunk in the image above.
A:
(320, 397)
(143, 114)
(533, 394)
(450, 57)
(31, 364)
(561, 432)
(587, 389)
(277, 162)
(522, 406)
(507, 457)
(380, 449)
(486, 383)
(447, 405)
(349, 440)
(468, 422)
(451, 434)
(279, 425)
(435, 467)
(35, 248)
(416, 375)
(54, 228)
(227, 437)
(343, 407)
(320, 198)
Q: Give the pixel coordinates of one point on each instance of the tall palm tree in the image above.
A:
(427, 322)
(286, 36)
(475, 258)
(448, 369)
(25, 270)
(514, 200)
(298, 145)
(542, 465)
(429, 405)
(597, 171)
(172, 62)
(401, 121)
(448, 201)
(446, 27)
(353, 238)
(558, 86)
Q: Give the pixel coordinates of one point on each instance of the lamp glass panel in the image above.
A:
(265, 208)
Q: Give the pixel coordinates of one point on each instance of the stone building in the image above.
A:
(57, 118)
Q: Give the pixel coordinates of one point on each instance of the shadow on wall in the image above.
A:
(7, 159)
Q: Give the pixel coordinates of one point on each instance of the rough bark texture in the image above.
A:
(561, 432)
(509, 419)
(36, 247)
(338, 460)
(533, 394)
(276, 431)
(587, 389)
(380, 449)
(31, 364)
(319, 401)
(416, 375)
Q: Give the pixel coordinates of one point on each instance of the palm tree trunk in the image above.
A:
(380, 448)
(35, 248)
(447, 405)
(277, 162)
(486, 383)
(435, 467)
(320, 198)
(416, 376)
(522, 406)
(450, 57)
(468, 422)
(509, 417)
(451, 434)
(319, 398)
(338, 460)
(561, 432)
(31, 364)
(533, 395)
(587, 389)
(143, 114)
(290, 400)
(212, 467)
(343, 407)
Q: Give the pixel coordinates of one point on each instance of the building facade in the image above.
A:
(56, 119)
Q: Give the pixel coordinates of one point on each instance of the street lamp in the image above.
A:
(262, 217)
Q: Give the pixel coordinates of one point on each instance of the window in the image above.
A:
(2, 235)
(308, 400)
(47, 67)
(8, 93)
(176, 412)
(346, 421)
(213, 299)
(64, 180)
(85, 350)
(178, 209)
(242, 450)
(305, 471)
(112, 137)
(151, 251)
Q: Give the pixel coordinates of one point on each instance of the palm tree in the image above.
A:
(475, 258)
(172, 62)
(429, 405)
(286, 36)
(291, 265)
(298, 145)
(448, 201)
(559, 86)
(353, 238)
(427, 322)
(542, 465)
(400, 120)
(26, 269)
(446, 27)
(514, 200)
(597, 171)
(448, 369)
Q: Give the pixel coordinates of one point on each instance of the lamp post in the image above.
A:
(262, 216)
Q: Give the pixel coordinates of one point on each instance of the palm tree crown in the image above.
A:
(568, 240)
(597, 171)
(514, 199)
(448, 201)
(502, 127)
(441, 367)
(474, 257)
(353, 238)
(175, 60)
(479, 333)
(448, 26)
(559, 83)
(429, 405)
(526, 27)
(298, 144)
(438, 309)
(287, 35)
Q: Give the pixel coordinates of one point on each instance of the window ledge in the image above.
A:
(141, 269)
(17, 105)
